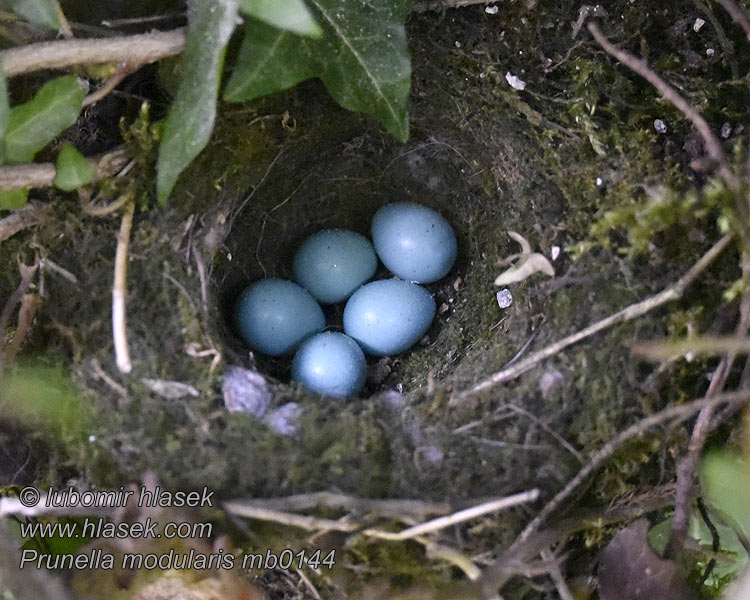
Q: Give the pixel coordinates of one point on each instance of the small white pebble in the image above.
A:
(515, 82)
(504, 298)
(698, 24)
(457, 43)
(491, 10)
(710, 52)
(599, 182)
(726, 130)
(92, 438)
(555, 252)
(660, 126)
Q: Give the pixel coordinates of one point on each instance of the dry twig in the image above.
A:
(440, 5)
(673, 413)
(701, 429)
(132, 51)
(13, 177)
(640, 67)
(629, 313)
(737, 14)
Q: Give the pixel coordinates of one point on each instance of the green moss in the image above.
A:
(492, 160)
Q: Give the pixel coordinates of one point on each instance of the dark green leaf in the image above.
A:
(73, 169)
(726, 481)
(362, 59)
(43, 397)
(191, 117)
(292, 15)
(33, 125)
(13, 199)
(41, 12)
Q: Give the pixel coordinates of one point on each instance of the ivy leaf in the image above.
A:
(191, 117)
(292, 15)
(13, 199)
(362, 58)
(41, 12)
(73, 169)
(33, 125)
(726, 481)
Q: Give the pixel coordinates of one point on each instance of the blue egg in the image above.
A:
(414, 242)
(330, 363)
(332, 263)
(274, 315)
(389, 316)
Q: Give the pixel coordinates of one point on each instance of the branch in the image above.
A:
(701, 429)
(43, 174)
(132, 51)
(737, 14)
(673, 413)
(633, 311)
(640, 67)
(439, 5)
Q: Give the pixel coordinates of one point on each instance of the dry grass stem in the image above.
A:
(120, 292)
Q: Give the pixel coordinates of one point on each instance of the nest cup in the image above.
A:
(341, 190)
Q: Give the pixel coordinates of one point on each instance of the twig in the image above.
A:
(640, 67)
(65, 29)
(633, 311)
(132, 51)
(43, 174)
(418, 509)
(120, 291)
(306, 522)
(563, 442)
(556, 575)
(109, 85)
(439, 5)
(27, 276)
(32, 214)
(687, 466)
(737, 14)
(673, 413)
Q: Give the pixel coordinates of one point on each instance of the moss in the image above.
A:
(492, 160)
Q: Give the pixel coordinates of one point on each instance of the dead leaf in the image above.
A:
(630, 570)
(527, 263)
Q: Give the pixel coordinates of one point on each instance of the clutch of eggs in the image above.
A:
(385, 317)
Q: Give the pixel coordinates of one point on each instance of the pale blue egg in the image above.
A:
(332, 263)
(330, 363)
(274, 315)
(414, 242)
(389, 316)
